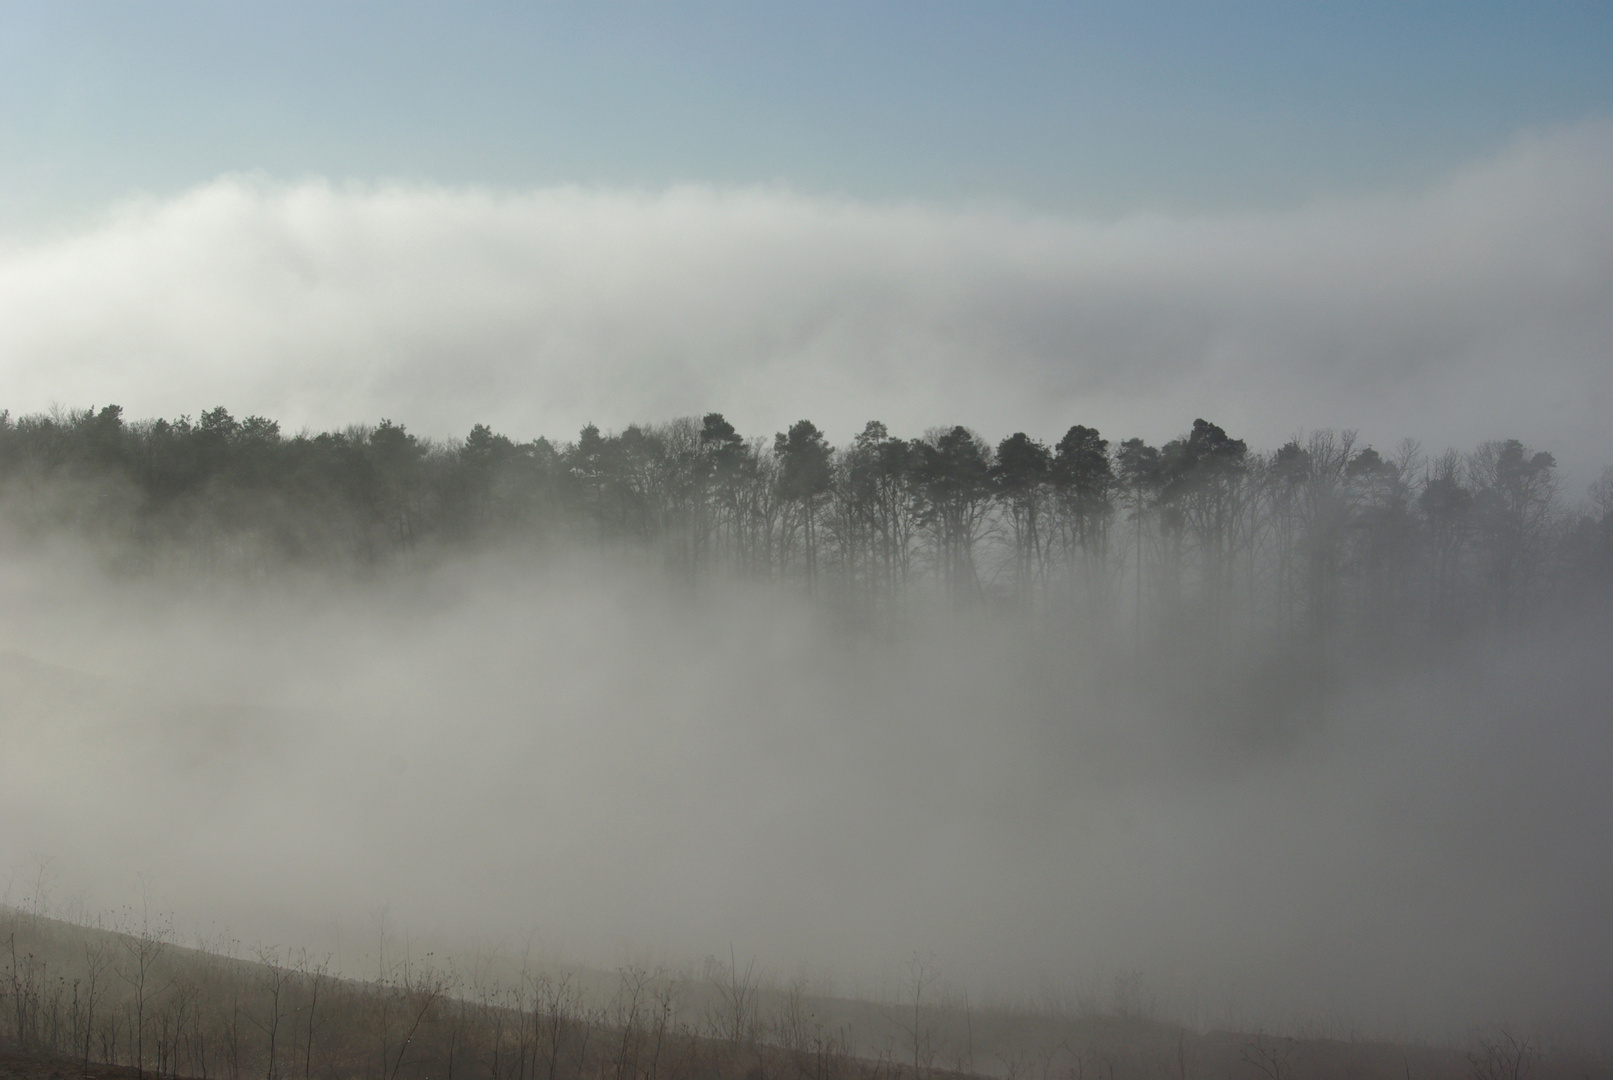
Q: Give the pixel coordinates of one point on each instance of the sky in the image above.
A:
(1384, 217)
(1073, 108)
(1052, 107)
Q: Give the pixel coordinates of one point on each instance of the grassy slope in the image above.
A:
(209, 1015)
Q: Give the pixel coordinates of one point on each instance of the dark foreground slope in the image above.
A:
(87, 1002)
(17, 1064)
(79, 1002)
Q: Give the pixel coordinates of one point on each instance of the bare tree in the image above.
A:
(97, 961)
(421, 991)
(921, 978)
(316, 976)
(273, 982)
(143, 948)
(1267, 1054)
(1503, 1057)
(734, 1018)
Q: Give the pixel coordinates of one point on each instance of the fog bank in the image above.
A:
(588, 756)
(1474, 310)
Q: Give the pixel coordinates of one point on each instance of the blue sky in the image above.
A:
(1053, 107)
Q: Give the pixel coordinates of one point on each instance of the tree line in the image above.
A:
(1321, 534)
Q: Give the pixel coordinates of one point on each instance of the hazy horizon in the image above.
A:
(1473, 309)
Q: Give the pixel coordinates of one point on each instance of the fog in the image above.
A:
(1475, 308)
(581, 755)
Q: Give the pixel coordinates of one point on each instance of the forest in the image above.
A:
(1322, 536)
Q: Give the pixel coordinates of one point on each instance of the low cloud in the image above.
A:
(586, 756)
(1479, 309)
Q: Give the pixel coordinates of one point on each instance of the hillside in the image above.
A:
(82, 1001)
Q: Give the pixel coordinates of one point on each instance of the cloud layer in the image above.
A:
(1480, 309)
(1476, 310)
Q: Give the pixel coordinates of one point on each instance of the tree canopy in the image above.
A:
(1319, 533)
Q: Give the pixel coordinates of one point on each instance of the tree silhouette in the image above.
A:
(1084, 481)
(1447, 508)
(953, 469)
(1514, 498)
(1020, 475)
(804, 476)
(1139, 474)
(1200, 486)
(1322, 534)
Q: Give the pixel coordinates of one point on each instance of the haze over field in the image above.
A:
(848, 491)
(495, 752)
